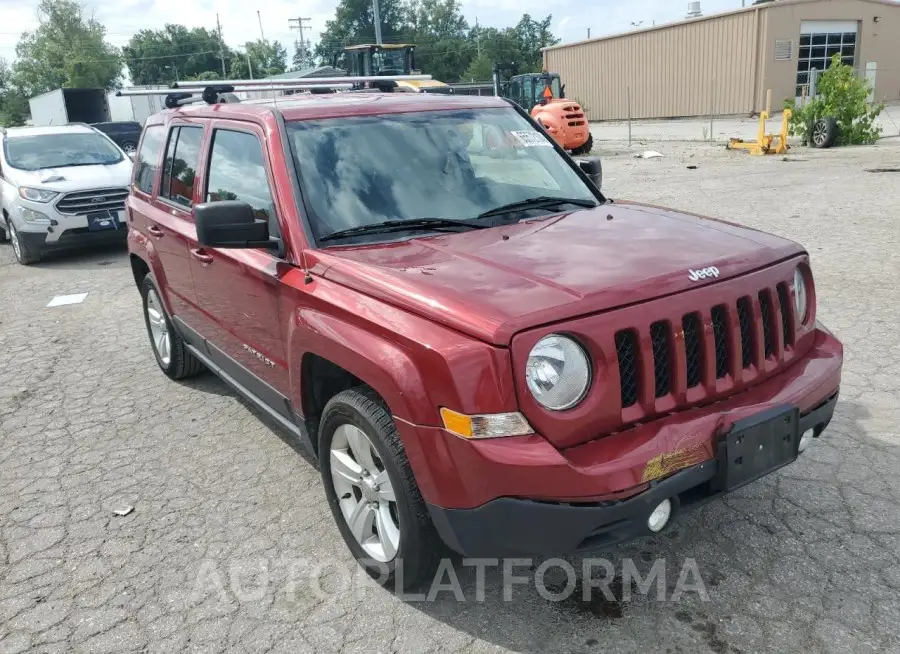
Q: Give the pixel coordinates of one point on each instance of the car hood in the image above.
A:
(495, 282)
(75, 178)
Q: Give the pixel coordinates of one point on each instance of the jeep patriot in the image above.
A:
(477, 345)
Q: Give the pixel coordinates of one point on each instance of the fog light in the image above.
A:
(806, 439)
(660, 516)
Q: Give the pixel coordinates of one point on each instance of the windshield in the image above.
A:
(60, 150)
(453, 165)
(389, 62)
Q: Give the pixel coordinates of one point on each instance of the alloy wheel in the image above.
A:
(14, 238)
(365, 493)
(129, 149)
(159, 328)
(819, 130)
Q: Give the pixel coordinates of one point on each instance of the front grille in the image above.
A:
(742, 348)
(784, 303)
(719, 319)
(745, 317)
(626, 351)
(84, 202)
(693, 350)
(766, 315)
(659, 337)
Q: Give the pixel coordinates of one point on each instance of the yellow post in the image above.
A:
(769, 102)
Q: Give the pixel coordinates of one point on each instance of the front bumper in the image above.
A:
(477, 489)
(515, 527)
(43, 241)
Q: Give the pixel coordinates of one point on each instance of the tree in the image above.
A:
(175, 52)
(845, 97)
(13, 105)
(66, 50)
(531, 36)
(479, 70)
(303, 56)
(267, 58)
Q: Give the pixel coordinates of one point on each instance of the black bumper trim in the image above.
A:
(37, 241)
(519, 527)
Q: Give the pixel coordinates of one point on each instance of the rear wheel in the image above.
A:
(172, 355)
(585, 147)
(372, 492)
(129, 147)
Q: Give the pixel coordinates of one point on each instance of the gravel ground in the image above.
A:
(229, 544)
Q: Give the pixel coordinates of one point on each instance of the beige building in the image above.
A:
(725, 63)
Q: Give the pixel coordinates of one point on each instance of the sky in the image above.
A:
(571, 18)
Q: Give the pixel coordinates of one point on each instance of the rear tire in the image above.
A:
(24, 255)
(824, 132)
(171, 353)
(584, 148)
(129, 147)
(362, 459)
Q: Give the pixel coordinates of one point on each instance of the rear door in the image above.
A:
(170, 222)
(237, 288)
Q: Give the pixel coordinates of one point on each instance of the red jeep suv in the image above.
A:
(476, 344)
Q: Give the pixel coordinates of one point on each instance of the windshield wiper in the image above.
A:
(401, 225)
(82, 163)
(540, 202)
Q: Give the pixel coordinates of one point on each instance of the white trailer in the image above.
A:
(63, 106)
(134, 108)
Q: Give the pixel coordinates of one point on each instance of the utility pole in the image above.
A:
(249, 65)
(589, 32)
(300, 24)
(261, 33)
(221, 47)
(478, 36)
(377, 19)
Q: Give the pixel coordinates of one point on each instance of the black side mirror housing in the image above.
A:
(230, 224)
(592, 167)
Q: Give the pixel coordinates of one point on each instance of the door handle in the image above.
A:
(201, 256)
(155, 231)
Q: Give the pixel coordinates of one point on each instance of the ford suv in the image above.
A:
(479, 347)
(61, 188)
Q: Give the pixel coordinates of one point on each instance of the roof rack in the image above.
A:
(217, 92)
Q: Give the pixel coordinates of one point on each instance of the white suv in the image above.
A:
(61, 188)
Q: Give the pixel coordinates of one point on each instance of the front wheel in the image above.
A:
(372, 492)
(824, 132)
(24, 255)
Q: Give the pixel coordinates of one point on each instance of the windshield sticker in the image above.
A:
(532, 139)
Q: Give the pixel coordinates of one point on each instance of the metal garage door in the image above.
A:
(819, 41)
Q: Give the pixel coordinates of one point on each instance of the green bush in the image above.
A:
(843, 96)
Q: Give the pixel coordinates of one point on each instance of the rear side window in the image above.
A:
(148, 158)
(182, 158)
(237, 172)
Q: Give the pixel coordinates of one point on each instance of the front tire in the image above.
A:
(173, 357)
(372, 491)
(24, 255)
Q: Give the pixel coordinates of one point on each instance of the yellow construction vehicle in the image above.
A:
(765, 143)
(371, 59)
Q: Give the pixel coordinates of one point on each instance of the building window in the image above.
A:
(816, 51)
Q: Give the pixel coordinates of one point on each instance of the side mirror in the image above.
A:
(592, 167)
(230, 224)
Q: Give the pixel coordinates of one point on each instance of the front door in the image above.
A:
(238, 289)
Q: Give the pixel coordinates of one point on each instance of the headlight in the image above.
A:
(37, 194)
(34, 217)
(800, 303)
(558, 372)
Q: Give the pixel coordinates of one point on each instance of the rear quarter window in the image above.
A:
(147, 163)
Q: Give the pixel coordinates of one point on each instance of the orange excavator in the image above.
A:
(542, 95)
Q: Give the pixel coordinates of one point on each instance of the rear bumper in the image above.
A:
(517, 527)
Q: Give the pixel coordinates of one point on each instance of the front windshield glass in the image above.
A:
(60, 150)
(455, 165)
